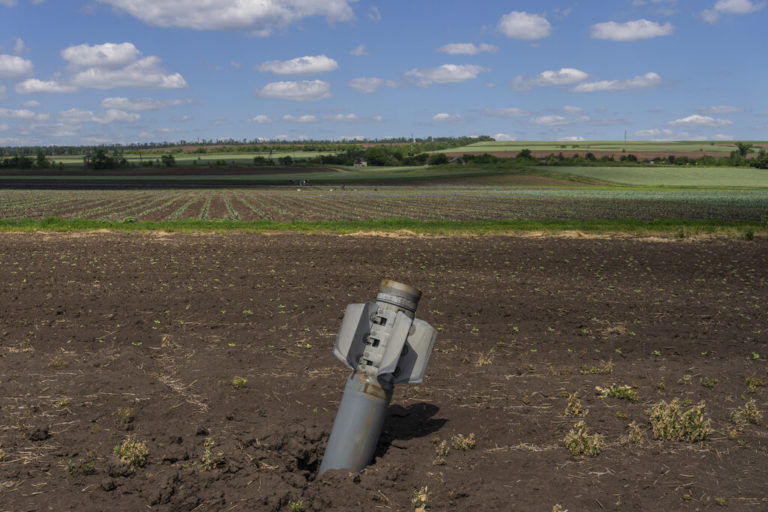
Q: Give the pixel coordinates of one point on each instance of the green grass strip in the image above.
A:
(678, 227)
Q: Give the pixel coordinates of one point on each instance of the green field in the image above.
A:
(471, 198)
(612, 146)
(673, 176)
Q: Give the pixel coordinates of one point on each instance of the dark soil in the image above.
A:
(108, 336)
(170, 171)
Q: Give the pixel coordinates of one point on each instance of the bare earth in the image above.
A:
(108, 336)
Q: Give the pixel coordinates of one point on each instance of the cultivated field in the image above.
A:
(679, 176)
(618, 147)
(449, 203)
(155, 371)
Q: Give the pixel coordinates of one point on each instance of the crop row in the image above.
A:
(383, 203)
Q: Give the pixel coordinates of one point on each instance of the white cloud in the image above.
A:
(445, 74)
(235, 64)
(14, 68)
(446, 118)
(351, 118)
(720, 109)
(369, 85)
(260, 119)
(259, 17)
(731, 7)
(19, 48)
(738, 6)
(721, 136)
(573, 110)
(122, 103)
(301, 119)
(631, 30)
(646, 81)
(359, 51)
(510, 112)
(109, 55)
(300, 66)
(33, 86)
(8, 3)
(145, 73)
(3, 91)
(572, 138)
(504, 137)
(523, 25)
(709, 16)
(307, 90)
(22, 114)
(32, 104)
(558, 120)
(698, 120)
(374, 14)
(3, 127)
(564, 76)
(467, 48)
(110, 65)
(77, 116)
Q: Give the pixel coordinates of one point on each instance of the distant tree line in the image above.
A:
(40, 161)
(405, 152)
(245, 146)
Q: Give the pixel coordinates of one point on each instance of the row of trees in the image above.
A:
(40, 161)
(246, 146)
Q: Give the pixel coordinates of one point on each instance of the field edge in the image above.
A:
(681, 228)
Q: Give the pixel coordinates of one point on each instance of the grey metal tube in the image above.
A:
(358, 424)
(366, 398)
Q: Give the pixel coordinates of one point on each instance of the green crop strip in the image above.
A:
(675, 227)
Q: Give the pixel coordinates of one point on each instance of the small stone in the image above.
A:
(108, 484)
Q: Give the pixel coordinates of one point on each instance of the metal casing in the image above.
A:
(415, 355)
(407, 345)
(350, 341)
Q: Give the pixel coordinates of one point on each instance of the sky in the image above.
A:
(84, 72)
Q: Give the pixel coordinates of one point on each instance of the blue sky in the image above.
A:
(122, 71)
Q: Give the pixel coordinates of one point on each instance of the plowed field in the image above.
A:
(108, 337)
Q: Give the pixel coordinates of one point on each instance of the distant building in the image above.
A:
(360, 163)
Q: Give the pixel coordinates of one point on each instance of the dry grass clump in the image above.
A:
(420, 499)
(621, 392)
(573, 408)
(125, 415)
(749, 414)
(239, 382)
(463, 443)
(441, 451)
(132, 453)
(57, 362)
(670, 423)
(210, 460)
(605, 368)
(635, 435)
(580, 442)
(484, 359)
(753, 383)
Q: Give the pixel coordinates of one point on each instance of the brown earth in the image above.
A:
(171, 171)
(106, 336)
